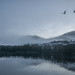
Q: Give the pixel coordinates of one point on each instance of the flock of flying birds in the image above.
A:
(65, 12)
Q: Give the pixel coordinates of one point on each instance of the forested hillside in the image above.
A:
(58, 52)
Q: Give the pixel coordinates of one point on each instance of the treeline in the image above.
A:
(58, 52)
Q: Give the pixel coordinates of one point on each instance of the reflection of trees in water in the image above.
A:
(60, 53)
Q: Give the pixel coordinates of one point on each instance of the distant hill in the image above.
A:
(67, 36)
(29, 39)
(21, 40)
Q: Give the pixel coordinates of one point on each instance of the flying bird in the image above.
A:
(64, 12)
(74, 11)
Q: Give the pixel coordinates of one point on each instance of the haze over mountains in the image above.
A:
(67, 36)
(21, 40)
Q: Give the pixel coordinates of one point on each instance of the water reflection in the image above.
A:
(29, 66)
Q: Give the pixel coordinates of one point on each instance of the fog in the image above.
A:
(31, 17)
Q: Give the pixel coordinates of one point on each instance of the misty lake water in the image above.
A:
(29, 66)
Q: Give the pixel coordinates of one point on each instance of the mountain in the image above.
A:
(67, 36)
(21, 40)
(29, 39)
(32, 40)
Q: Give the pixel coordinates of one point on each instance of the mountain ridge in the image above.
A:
(67, 36)
(34, 39)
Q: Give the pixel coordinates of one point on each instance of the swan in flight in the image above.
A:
(64, 12)
(74, 11)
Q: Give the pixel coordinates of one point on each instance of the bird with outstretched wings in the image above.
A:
(64, 12)
(74, 11)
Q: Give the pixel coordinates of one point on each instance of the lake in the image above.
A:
(30, 66)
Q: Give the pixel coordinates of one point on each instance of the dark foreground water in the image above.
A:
(29, 66)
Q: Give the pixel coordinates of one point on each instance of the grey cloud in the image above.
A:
(36, 17)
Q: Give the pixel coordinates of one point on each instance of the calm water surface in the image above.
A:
(29, 66)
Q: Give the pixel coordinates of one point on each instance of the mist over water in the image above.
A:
(36, 38)
(29, 66)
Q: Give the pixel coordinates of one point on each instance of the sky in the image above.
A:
(36, 17)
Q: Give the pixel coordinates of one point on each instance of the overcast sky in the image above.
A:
(36, 17)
